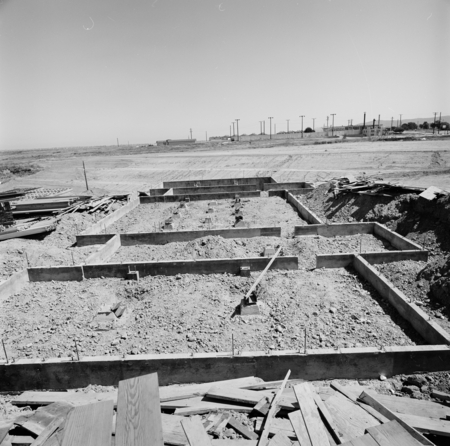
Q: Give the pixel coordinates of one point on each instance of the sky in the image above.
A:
(86, 72)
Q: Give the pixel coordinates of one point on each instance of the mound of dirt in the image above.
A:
(422, 221)
(214, 247)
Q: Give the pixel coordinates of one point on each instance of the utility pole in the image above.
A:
(274, 129)
(378, 121)
(287, 120)
(206, 133)
(264, 127)
(270, 128)
(237, 125)
(364, 123)
(327, 121)
(85, 176)
(392, 118)
(234, 134)
(314, 121)
(434, 122)
(440, 117)
(400, 120)
(302, 116)
(117, 142)
(191, 132)
(230, 131)
(332, 125)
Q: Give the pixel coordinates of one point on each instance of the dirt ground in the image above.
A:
(214, 247)
(336, 309)
(273, 211)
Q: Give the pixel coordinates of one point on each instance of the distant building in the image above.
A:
(175, 142)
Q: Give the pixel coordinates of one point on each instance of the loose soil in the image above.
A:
(197, 313)
(257, 212)
(216, 247)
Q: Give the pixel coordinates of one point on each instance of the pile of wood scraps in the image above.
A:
(363, 186)
(237, 412)
(94, 205)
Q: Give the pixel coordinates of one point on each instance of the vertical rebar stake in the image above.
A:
(28, 261)
(76, 347)
(4, 349)
(73, 260)
(232, 344)
(305, 341)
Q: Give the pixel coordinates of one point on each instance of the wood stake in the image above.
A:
(4, 349)
(76, 347)
(85, 176)
(272, 412)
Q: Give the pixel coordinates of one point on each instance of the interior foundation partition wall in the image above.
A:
(161, 238)
(105, 252)
(214, 189)
(93, 239)
(13, 284)
(169, 268)
(286, 186)
(304, 212)
(101, 225)
(429, 330)
(394, 238)
(199, 197)
(258, 181)
(345, 363)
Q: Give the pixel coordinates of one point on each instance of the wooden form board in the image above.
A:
(139, 412)
(89, 425)
(195, 432)
(391, 434)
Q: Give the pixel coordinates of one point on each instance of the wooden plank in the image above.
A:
(167, 393)
(409, 406)
(43, 416)
(272, 412)
(392, 434)
(250, 397)
(298, 423)
(170, 393)
(139, 412)
(349, 418)
(199, 405)
(314, 425)
(350, 393)
(195, 433)
(279, 440)
(241, 429)
(365, 440)
(339, 437)
(274, 384)
(372, 401)
(440, 395)
(278, 425)
(89, 425)
(430, 425)
(21, 439)
(173, 432)
(222, 423)
(228, 442)
(4, 429)
(48, 431)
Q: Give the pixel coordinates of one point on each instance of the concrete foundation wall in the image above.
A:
(161, 238)
(305, 213)
(429, 330)
(396, 240)
(169, 268)
(13, 285)
(154, 192)
(110, 219)
(346, 363)
(105, 252)
(346, 259)
(335, 229)
(259, 181)
(277, 193)
(214, 189)
(303, 191)
(198, 197)
(284, 186)
(93, 239)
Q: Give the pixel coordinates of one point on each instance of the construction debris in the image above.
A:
(226, 413)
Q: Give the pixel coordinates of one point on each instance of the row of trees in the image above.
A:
(438, 125)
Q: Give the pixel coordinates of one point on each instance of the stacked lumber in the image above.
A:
(238, 412)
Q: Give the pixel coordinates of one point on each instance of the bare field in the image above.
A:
(419, 163)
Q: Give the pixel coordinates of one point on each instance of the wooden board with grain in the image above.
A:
(195, 432)
(173, 432)
(365, 440)
(241, 429)
(350, 419)
(314, 425)
(299, 426)
(89, 425)
(427, 425)
(139, 412)
(279, 440)
(391, 434)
